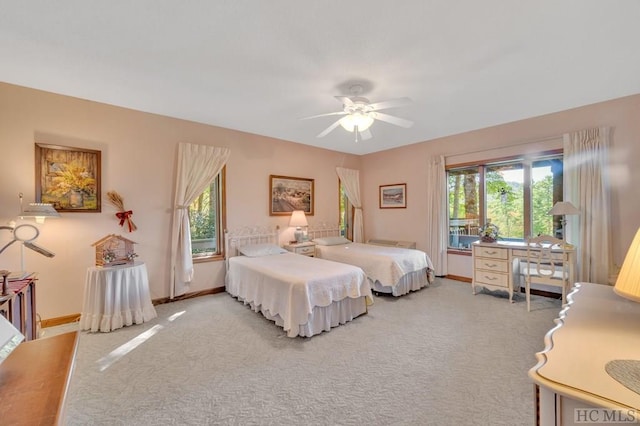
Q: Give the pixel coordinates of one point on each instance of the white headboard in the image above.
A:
(323, 230)
(235, 239)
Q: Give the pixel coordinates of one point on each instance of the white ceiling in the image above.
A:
(259, 66)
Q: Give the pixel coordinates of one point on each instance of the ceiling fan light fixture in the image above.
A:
(362, 120)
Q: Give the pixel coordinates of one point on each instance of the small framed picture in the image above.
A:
(393, 196)
(290, 193)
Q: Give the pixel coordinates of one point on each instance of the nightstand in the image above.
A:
(307, 248)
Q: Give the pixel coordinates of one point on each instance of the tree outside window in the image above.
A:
(205, 222)
(514, 195)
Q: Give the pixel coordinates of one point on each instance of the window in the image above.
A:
(513, 194)
(205, 219)
(346, 214)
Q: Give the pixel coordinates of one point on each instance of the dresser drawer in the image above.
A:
(306, 250)
(492, 252)
(492, 278)
(490, 264)
(554, 255)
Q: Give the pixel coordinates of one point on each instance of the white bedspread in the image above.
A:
(384, 264)
(290, 285)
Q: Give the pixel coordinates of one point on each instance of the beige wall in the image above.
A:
(406, 164)
(138, 161)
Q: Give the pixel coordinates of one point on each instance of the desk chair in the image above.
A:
(547, 262)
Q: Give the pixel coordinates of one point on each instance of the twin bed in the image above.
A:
(390, 270)
(305, 295)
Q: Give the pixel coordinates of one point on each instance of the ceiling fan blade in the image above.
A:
(391, 103)
(326, 131)
(365, 135)
(324, 115)
(393, 120)
(346, 101)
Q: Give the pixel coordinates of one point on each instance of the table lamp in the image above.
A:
(627, 371)
(628, 282)
(39, 211)
(564, 208)
(298, 219)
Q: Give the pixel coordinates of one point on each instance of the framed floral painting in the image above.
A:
(68, 178)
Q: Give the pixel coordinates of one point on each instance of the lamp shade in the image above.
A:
(360, 119)
(628, 282)
(563, 208)
(39, 211)
(298, 219)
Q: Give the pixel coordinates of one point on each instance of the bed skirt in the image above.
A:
(410, 282)
(322, 318)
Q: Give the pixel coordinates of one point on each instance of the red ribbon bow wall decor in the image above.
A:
(126, 217)
(123, 215)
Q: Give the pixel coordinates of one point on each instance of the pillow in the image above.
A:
(331, 241)
(257, 250)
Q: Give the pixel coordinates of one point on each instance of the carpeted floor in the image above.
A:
(440, 356)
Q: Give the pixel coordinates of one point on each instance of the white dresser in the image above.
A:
(495, 265)
(493, 268)
(572, 386)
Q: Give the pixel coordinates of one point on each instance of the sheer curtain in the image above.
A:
(436, 215)
(351, 181)
(586, 186)
(198, 166)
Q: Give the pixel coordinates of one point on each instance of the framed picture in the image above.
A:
(393, 196)
(68, 178)
(289, 194)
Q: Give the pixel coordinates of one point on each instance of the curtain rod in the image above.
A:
(548, 138)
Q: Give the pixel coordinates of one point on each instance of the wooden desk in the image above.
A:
(34, 381)
(495, 265)
(20, 308)
(595, 327)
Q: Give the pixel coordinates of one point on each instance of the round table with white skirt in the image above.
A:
(116, 296)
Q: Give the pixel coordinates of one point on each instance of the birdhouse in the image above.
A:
(114, 250)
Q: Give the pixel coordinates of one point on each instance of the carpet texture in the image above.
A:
(439, 356)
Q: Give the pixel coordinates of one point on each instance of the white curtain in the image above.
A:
(198, 166)
(351, 182)
(586, 186)
(436, 215)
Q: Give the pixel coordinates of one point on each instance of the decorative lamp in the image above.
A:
(627, 371)
(26, 234)
(628, 282)
(564, 208)
(39, 211)
(358, 119)
(298, 219)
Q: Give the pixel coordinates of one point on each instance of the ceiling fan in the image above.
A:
(359, 114)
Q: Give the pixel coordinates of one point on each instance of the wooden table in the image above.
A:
(34, 381)
(496, 265)
(595, 327)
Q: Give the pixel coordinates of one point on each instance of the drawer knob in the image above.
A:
(492, 252)
(490, 265)
(491, 278)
